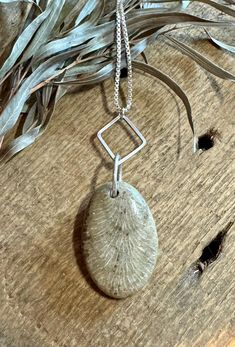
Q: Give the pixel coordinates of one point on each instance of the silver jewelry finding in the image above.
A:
(117, 176)
(122, 33)
(133, 127)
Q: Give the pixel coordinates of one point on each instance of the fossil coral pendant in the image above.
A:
(120, 241)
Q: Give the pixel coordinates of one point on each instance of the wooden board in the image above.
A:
(46, 296)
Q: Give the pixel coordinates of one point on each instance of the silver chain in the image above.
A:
(122, 32)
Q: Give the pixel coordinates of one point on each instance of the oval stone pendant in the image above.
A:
(120, 241)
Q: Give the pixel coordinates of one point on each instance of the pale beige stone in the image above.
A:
(120, 241)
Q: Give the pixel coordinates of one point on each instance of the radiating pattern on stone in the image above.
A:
(120, 241)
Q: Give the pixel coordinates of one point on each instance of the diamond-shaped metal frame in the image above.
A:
(133, 127)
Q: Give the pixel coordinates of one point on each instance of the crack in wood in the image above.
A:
(208, 256)
(212, 251)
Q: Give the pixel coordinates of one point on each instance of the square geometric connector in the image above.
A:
(133, 127)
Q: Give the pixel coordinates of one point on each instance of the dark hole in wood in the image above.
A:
(207, 140)
(124, 72)
(212, 251)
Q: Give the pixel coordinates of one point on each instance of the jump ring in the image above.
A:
(117, 176)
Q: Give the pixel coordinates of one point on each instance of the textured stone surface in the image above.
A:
(120, 241)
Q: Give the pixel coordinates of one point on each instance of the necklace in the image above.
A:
(120, 240)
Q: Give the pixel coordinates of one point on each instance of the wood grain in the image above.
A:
(12, 16)
(46, 296)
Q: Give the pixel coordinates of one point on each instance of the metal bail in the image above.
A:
(117, 176)
(122, 113)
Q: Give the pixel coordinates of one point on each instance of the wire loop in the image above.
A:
(117, 176)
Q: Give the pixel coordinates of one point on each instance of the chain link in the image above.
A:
(122, 32)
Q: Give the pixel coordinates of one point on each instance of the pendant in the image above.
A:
(120, 240)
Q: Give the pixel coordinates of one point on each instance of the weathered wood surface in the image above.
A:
(46, 297)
